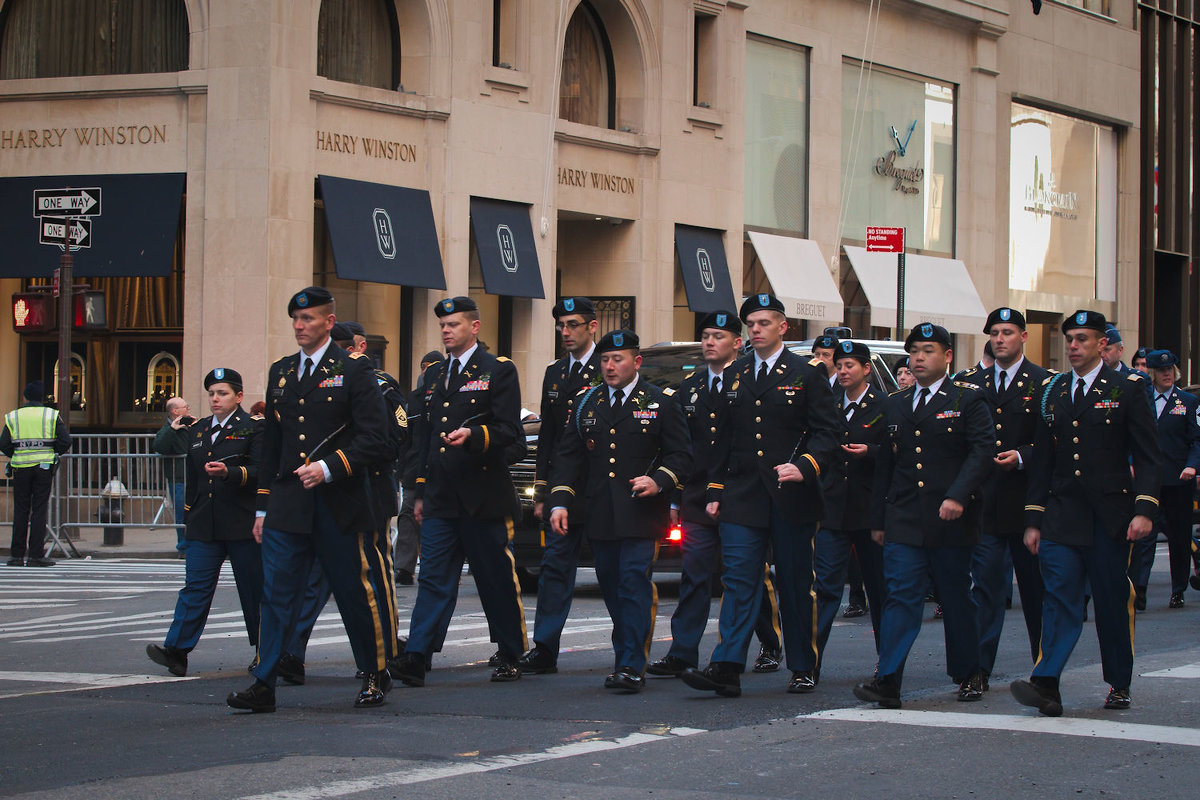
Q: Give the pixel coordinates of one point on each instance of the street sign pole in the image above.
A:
(900, 291)
(66, 310)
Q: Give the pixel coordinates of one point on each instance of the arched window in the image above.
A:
(54, 38)
(358, 41)
(162, 381)
(587, 93)
(78, 382)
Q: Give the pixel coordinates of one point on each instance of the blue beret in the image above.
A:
(1161, 359)
(1112, 334)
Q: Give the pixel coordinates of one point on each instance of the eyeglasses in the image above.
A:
(570, 326)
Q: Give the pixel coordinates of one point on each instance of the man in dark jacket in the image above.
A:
(171, 442)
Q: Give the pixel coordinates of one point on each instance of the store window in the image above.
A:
(55, 38)
(358, 41)
(1096, 6)
(776, 136)
(1062, 224)
(587, 92)
(898, 156)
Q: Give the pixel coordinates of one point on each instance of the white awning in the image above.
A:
(799, 276)
(937, 290)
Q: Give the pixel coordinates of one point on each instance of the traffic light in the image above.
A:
(91, 312)
(33, 312)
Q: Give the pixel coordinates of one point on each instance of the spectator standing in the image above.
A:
(171, 442)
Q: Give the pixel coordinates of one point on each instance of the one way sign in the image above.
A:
(66, 202)
(54, 231)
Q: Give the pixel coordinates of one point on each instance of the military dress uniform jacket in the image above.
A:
(340, 400)
(471, 480)
(1082, 458)
(558, 398)
(791, 417)
(847, 482)
(1178, 436)
(944, 451)
(700, 413)
(601, 451)
(222, 509)
(1015, 418)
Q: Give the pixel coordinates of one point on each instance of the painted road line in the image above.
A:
(425, 774)
(78, 681)
(1060, 726)
(1186, 671)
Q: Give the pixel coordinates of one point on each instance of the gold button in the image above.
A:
(1076, 456)
(918, 449)
(917, 432)
(612, 430)
(304, 455)
(1074, 423)
(1077, 473)
(300, 418)
(920, 484)
(712, 415)
(445, 419)
(760, 453)
(712, 430)
(446, 405)
(920, 466)
(472, 401)
(612, 445)
(1075, 440)
(328, 398)
(758, 419)
(612, 474)
(301, 401)
(758, 436)
(758, 402)
(999, 443)
(302, 437)
(612, 461)
(999, 410)
(997, 426)
(1108, 422)
(441, 449)
(210, 494)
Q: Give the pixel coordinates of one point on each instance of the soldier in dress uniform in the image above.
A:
(776, 433)
(326, 425)
(468, 416)
(625, 450)
(575, 320)
(1084, 508)
(222, 477)
(1011, 388)
(925, 513)
(1179, 441)
(904, 376)
(847, 486)
(824, 349)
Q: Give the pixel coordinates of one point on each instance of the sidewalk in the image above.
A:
(139, 543)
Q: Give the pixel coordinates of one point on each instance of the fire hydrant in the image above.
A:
(112, 510)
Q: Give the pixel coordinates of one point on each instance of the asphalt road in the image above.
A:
(83, 713)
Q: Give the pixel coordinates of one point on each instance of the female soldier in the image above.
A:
(222, 476)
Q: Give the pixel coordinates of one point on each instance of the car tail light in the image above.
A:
(675, 534)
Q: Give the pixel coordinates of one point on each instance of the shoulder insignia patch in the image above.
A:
(552, 363)
(814, 361)
(965, 385)
(358, 355)
(1133, 376)
(502, 359)
(668, 392)
(971, 371)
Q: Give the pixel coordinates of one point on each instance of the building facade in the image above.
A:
(665, 156)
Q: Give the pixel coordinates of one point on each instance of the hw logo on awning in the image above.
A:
(706, 270)
(508, 247)
(385, 237)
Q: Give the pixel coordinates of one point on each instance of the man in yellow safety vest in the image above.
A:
(33, 437)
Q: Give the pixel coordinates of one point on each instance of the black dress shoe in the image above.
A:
(259, 698)
(375, 686)
(1117, 700)
(626, 681)
(668, 667)
(408, 668)
(494, 660)
(507, 672)
(769, 659)
(537, 661)
(1139, 602)
(40, 562)
(16, 562)
(404, 577)
(853, 610)
(716, 677)
(174, 659)
(610, 682)
(401, 646)
(1176, 600)
(971, 689)
(884, 692)
(291, 669)
(802, 683)
(1193, 581)
(1045, 699)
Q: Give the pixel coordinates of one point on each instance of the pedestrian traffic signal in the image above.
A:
(32, 312)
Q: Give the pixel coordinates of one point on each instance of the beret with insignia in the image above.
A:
(1161, 359)
(574, 305)
(453, 305)
(1083, 319)
(310, 297)
(223, 375)
(928, 332)
(620, 339)
(826, 342)
(850, 349)
(722, 320)
(1005, 314)
(760, 302)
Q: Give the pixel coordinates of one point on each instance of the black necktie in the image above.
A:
(1079, 393)
(923, 396)
(715, 389)
(307, 369)
(453, 373)
(762, 374)
(576, 368)
(1000, 384)
(216, 431)
(616, 403)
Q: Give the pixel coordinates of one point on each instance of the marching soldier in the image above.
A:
(625, 451)
(575, 320)
(904, 376)
(469, 414)
(222, 476)
(1084, 508)
(1011, 388)
(924, 514)
(326, 425)
(775, 435)
(847, 487)
(1179, 441)
(824, 349)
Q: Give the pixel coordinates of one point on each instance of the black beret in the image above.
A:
(849, 349)
(222, 375)
(1091, 320)
(309, 298)
(902, 363)
(574, 305)
(341, 332)
(432, 357)
(988, 351)
(826, 342)
(1161, 359)
(1004, 314)
(722, 320)
(760, 302)
(35, 390)
(618, 340)
(453, 305)
(356, 329)
(928, 332)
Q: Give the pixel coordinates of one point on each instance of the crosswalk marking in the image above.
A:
(76, 681)
(1185, 671)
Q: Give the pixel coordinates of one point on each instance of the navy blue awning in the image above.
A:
(382, 233)
(704, 268)
(507, 253)
(134, 235)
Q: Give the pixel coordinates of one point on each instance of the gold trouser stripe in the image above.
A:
(653, 603)
(773, 602)
(391, 623)
(364, 576)
(508, 524)
(1132, 594)
(812, 597)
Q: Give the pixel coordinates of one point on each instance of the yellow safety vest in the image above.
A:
(32, 429)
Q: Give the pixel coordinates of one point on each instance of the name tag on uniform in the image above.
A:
(948, 414)
(329, 383)
(893, 428)
(690, 409)
(474, 386)
(588, 421)
(552, 395)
